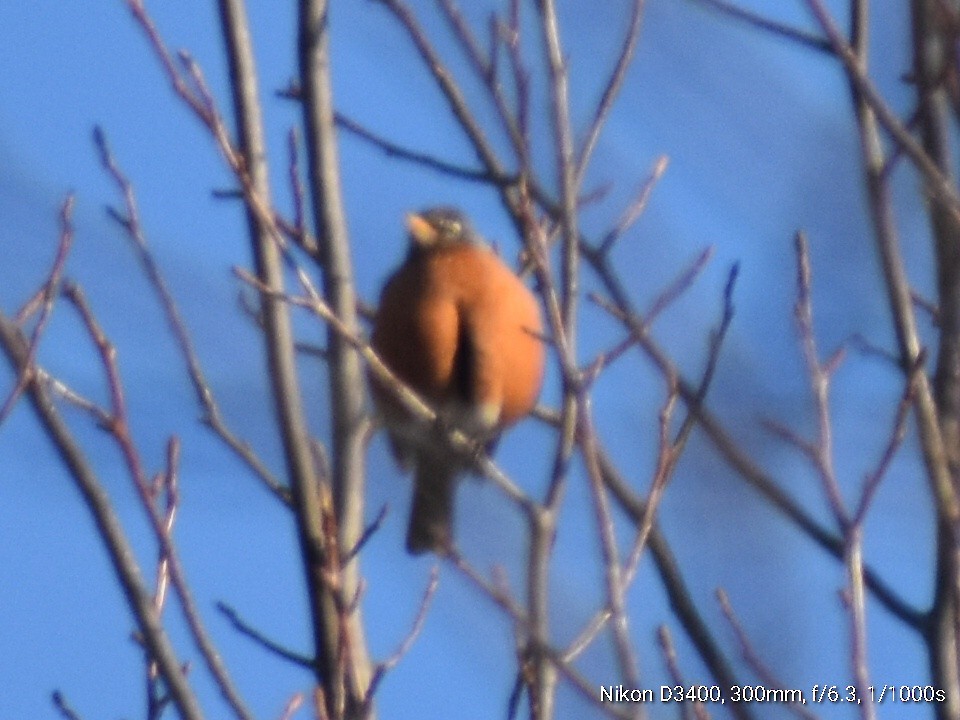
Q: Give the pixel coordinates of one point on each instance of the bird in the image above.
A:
(460, 328)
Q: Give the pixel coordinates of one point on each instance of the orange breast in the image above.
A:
(437, 302)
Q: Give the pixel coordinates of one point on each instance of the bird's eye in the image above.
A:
(452, 227)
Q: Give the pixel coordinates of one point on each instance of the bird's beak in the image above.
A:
(422, 232)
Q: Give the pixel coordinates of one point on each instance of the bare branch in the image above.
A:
(752, 658)
(500, 597)
(122, 556)
(249, 631)
(294, 704)
(121, 431)
(129, 220)
(166, 486)
(368, 532)
(736, 457)
(448, 86)
(867, 94)
(636, 208)
(643, 516)
(391, 662)
(897, 434)
(820, 450)
(394, 150)
(613, 573)
(349, 674)
(928, 306)
(179, 84)
(60, 703)
(612, 88)
(673, 667)
(513, 122)
(857, 602)
(100, 417)
(48, 293)
(808, 40)
(679, 286)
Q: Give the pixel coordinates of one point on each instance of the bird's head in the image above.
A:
(438, 227)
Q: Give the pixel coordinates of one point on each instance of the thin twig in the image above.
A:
(613, 572)
(857, 601)
(391, 662)
(122, 433)
(293, 704)
(249, 631)
(166, 486)
(806, 39)
(679, 286)
(668, 454)
(100, 417)
(636, 208)
(368, 532)
(752, 657)
(448, 86)
(511, 33)
(303, 237)
(820, 450)
(612, 88)
(928, 306)
(738, 459)
(484, 68)
(48, 294)
(121, 553)
(669, 651)
(60, 703)
(502, 599)
(129, 220)
(394, 150)
(898, 432)
(938, 183)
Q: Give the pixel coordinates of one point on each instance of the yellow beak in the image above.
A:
(422, 231)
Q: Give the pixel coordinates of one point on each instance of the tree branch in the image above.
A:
(122, 555)
(344, 370)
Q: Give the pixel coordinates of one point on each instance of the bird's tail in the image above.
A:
(431, 515)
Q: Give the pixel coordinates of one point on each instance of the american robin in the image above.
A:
(461, 329)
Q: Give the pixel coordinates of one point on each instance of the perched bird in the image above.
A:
(460, 328)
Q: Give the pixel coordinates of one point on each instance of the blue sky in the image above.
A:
(761, 143)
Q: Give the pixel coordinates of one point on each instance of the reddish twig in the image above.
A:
(45, 299)
(121, 553)
(292, 706)
(120, 429)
